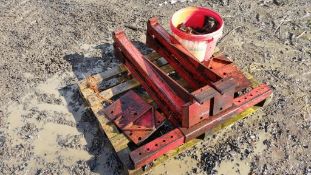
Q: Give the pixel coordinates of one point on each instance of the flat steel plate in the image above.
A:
(136, 118)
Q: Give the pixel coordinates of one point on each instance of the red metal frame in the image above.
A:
(192, 113)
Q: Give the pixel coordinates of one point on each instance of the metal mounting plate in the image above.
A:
(136, 118)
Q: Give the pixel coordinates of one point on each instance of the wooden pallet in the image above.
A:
(95, 98)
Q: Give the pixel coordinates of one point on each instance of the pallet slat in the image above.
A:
(117, 139)
(120, 88)
(103, 76)
(110, 73)
(95, 99)
(120, 141)
(109, 128)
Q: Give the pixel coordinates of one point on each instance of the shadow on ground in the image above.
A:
(104, 159)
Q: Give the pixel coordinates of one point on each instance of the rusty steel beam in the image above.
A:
(211, 100)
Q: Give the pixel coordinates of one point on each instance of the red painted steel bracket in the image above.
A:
(241, 103)
(136, 118)
(211, 101)
(154, 149)
(185, 63)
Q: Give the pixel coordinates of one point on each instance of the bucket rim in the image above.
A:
(201, 37)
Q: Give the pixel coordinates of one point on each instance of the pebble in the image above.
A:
(174, 2)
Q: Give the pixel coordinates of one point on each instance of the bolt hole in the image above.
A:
(111, 112)
(131, 134)
(139, 138)
(239, 101)
(148, 149)
(139, 153)
(156, 144)
(220, 108)
(164, 140)
(211, 67)
(224, 73)
(245, 98)
(251, 95)
(201, 118)
(135, 113)
(172, 137)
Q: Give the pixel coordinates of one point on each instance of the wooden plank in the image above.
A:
(95, 99)
(109, 128)
(167, 68)
(153, 56)
(234, 119)
(118, 140)
(86, 93)
(254, 82)
(217, 52)
(120, 88)
(82, 84)
(110, 73)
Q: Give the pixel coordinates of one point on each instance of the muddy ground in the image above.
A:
(46, 46)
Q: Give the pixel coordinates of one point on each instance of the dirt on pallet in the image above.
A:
(47, 46)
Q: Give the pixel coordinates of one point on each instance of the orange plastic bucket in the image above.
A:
(201, 46)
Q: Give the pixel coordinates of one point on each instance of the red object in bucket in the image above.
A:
(201, 46)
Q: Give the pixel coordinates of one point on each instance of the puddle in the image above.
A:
(236, 166)
(52, 107)
(47, 147)
(174, 166)
(260, 146)
(52, 85)
(14, 117)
